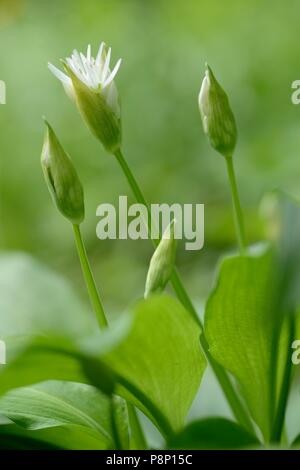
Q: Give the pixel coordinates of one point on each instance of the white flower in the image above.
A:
(90, 83)
(94, 73)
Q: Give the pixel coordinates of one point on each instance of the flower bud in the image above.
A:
(90, 83)
(62, 179)
(162, 263)
(217, 117)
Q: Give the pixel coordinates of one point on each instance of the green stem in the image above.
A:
(238, 214)
(284, 392)
(236, 405)
(97, 305)
(114, 426)
(89, 278)
(136, 429)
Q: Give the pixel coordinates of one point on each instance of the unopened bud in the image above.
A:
(61, 178)
(162, 263)
(217, 117)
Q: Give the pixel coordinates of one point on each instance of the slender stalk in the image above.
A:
(114, 426)
(136, 428)
(238, 214)
(235, 403)
(99, 310)
(89, 278)
(278, 426)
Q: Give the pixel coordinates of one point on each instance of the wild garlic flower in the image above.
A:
(217, 117)
(90, 83)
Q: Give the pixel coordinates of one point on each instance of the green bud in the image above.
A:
(217, 117)
(162, 263)
(99, 111)
(61, 178)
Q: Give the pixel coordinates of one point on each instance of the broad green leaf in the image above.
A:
(159, 349)
(35, 300)
(66, 437)
(160, 362)
(36, 359)
(296, 443)
(289, 268)
(56, 403)
(213, 433)
(46, 358)
(62, 403)
(239, 328)
(14, 438)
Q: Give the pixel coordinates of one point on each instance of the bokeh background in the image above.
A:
(253, 48)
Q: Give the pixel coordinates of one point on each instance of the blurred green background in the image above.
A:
(251, 46)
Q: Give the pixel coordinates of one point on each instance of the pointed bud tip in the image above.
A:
(45, 120)
(209, 74)
(162, 262)
(49, 128)
(216, 114)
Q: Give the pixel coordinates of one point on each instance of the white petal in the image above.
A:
(100, 52)
(106, 66)
(110, 94)
(88, 53)
(113, 74)
(73, 67)
(84, 63)
(59, 74)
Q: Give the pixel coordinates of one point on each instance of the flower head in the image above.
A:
(217, 117)
(61, 178)
(90, 83)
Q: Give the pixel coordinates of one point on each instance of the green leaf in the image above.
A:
(213, 433)
(36, 360)
(157, 348)
(296, 442)
(66, 437)
(55, 403)
(160, 362)
(288, 299)
(239, 328)
(34, 300)
(120, 422)
(14, 438)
